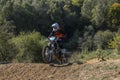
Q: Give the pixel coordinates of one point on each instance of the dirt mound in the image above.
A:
(33, 71)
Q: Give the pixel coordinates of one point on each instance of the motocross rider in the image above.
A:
(57, 32)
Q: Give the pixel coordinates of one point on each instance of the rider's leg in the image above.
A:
(60, 43)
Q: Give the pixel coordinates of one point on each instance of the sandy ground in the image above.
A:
(92, 70)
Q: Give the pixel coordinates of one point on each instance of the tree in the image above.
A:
(114, 15)
(23, 17)
(7, 51)
(97, 11)
(7, 11)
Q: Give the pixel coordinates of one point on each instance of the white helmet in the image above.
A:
(55, 26)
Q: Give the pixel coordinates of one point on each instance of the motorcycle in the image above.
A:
(52, 51)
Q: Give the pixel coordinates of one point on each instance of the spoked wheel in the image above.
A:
(61, 57)
(47, 56)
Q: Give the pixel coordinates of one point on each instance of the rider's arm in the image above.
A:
(52, 34)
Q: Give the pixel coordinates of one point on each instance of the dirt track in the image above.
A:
(33, 71)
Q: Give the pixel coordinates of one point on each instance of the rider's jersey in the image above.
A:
(58, 34)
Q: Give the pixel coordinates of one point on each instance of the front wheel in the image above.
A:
(47, 54)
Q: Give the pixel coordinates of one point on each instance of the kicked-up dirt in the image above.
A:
(109, 70)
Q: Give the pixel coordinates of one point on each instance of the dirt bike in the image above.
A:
(52, 52)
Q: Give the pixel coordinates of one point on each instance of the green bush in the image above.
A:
(7, 51)
(115, 42)
(82, 57)
(103, 55)
(100, 54)
(29, 47)
(86, 42)
(102, 38)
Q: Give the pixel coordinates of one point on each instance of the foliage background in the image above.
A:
(88, 25)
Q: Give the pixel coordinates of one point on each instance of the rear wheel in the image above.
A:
(47, 54)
